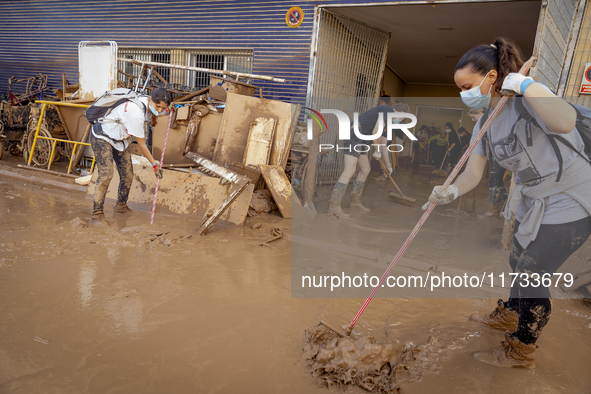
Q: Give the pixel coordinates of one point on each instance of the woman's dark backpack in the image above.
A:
(583, 126)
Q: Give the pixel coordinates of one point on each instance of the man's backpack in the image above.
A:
(583, 126)
(103, 106)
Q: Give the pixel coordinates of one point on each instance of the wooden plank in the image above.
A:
(279, 186)
(238, 115)
(260, 138)
(283, 138)
(237, 189)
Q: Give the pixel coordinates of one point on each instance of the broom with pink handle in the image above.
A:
(161, 164)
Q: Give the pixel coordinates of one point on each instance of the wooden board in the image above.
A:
(280, 188)
(204, 143)
(239, 113)
(260, 139)
(179, 193)
(282, 141)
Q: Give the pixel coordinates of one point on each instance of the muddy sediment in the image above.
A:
(135, 308)
(347, 362)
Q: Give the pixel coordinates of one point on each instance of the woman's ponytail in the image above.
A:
(510, 60)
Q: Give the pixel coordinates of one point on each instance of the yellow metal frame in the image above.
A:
(56, 140)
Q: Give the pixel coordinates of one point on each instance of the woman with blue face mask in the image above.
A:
(551, 201)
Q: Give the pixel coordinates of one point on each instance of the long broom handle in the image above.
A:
(443, 162)
(448, 182)
(390, 176)
(161, 164)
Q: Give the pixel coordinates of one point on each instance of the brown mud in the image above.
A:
(134, 308)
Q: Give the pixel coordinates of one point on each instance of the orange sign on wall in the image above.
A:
(586, 82)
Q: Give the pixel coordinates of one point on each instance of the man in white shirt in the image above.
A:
(110, 141)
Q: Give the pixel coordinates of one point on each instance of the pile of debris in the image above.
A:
(225, 157)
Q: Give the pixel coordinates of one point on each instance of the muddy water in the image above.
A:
(134, 308)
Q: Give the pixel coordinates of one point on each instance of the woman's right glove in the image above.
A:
(157, 169)
(441, 196)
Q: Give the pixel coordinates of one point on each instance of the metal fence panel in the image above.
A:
(347, 73)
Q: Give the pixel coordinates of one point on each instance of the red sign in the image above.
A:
(586, 82)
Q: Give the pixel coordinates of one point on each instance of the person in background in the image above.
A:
(454, 149)
(438, 146)
(420, 146)
(368, 125)
(465, 138)
(110, 141)
(422, 134)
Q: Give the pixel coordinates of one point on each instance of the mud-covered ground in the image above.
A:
(134, 308)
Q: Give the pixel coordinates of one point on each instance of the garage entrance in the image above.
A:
(423, 42)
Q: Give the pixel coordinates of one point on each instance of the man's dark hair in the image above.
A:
(385, 99)
(160, 94)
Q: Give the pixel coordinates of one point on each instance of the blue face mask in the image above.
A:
(473, 98)
(153, 110)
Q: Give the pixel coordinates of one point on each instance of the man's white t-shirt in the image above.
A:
(131, 118)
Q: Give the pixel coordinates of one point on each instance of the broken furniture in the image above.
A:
(220, 87)
(42, 150)
(67, 91)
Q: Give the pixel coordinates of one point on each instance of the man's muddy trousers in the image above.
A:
(530, 299)
(105, 155)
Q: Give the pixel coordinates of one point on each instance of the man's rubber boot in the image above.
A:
(98, 217)
(121, 207)
(491, 213)
(497, 196)
(356, 190)
(511, 353)
(501, 318)
(335, 200)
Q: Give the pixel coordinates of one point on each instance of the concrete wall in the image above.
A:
(392, 84)
(581, 57)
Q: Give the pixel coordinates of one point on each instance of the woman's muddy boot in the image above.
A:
(501, 318)
(98, 217)
(121, 207)
(335, 200)
(511, 353)
(356, 190)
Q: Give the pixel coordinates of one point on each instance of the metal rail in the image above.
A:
(236, 75)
